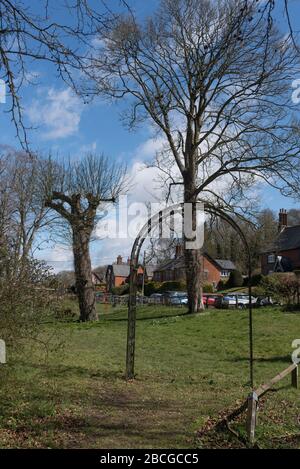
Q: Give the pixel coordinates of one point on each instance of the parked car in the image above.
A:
(209, 299)
(234, 299)
(265, 301)
(175, 297)
(178, 300)
(156, 298)
(156, 295)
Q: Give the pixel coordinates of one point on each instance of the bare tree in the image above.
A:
(35, 31)
(75, 191)
(22, 213)
(215, 79)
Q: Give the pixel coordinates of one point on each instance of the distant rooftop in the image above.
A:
(178, 263)
(288, 238)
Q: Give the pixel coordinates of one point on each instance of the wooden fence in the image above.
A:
(254, 396)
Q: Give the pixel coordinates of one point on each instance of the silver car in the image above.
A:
(237, 300)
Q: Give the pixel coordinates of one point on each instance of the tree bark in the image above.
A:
(193, 270)
(193, 258)
(83, 274)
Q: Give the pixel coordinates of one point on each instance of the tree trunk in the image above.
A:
(193, 270)
(83, 275)
(193, 261)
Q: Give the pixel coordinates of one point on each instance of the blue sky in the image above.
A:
(64, 125)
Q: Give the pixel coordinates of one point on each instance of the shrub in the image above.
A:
(208, 288)
(235, 279)
(151, 287)
(282, 287)
(174, 285)
(255, 280)
(27, 300)
(121, 290)
(221, 285)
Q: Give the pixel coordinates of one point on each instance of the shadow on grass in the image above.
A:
(151, 317)
(59, 370)
(101, 431)
(276, 359)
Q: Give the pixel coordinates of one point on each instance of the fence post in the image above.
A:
(251, 416)
(294, 375)
(2, 351)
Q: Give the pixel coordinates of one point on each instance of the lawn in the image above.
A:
(189, 371)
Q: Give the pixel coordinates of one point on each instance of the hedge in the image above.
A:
(235, 279)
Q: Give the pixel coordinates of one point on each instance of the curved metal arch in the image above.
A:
(134, 258)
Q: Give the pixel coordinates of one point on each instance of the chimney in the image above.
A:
(178, 250)
(119, 260)
(282, 219)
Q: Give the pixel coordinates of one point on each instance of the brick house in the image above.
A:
(214, 269)
(283, 255)
(117, 274)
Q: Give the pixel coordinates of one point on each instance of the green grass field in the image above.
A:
(189, 371)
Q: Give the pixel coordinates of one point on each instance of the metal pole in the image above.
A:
(131, 321)
(144, 268)
(250, 319)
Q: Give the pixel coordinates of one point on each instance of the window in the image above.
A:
(224, 273)
(157, 276)
(169, 275)
(271, 258)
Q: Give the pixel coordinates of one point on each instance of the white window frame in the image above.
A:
(224, 273)
(271, 258)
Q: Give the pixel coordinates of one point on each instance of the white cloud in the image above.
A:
(149, 148)
(57, 111)
(144, 183)
(87, 148)
(59, 257)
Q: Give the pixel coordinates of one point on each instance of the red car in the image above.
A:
(209, 299)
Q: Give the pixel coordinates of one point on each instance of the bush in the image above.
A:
(255, 280)
(121, 290)
(151, 287)
(282, 287)
(208, 288)
(172, 286)
(27, 300)
(221, 285)
(235, 279)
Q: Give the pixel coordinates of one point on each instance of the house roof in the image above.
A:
(225, 264)
(150, 268)
(100, 272)
(97, 277)
(178, 263)
(121, 270)
(288, 238)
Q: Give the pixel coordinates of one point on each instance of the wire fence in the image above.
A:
(114, 300)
